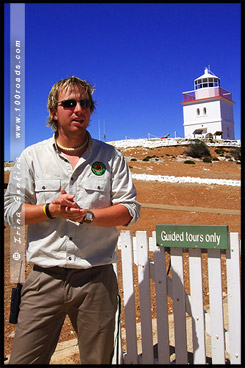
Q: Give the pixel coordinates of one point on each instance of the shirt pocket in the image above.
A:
(96, 185)
(47, 190)
(97, 193)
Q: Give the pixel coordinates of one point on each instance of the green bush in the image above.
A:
(189, 162)
(215, 159)
(133, 159)
(220, 151)
(198, 150)
(236, 153)
(147, 158)
(207, 159)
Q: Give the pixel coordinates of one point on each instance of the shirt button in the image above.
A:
(98, 187)
(72, 178)
(70, 238)
(43, 187)
(69, 258)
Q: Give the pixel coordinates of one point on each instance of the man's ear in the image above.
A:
(53, 113)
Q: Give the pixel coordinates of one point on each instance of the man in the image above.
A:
(77, 190)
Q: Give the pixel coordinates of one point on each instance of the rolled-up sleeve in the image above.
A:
(123, 189)
(19, 190)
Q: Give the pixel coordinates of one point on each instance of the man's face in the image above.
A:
(72, 120)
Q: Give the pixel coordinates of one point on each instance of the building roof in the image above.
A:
(207, 74)
(198, 131)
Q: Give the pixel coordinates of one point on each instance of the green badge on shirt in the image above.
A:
(98, 168)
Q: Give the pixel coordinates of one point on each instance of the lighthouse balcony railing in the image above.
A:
(210, 93)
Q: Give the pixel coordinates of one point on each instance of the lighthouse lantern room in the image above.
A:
(208, 110)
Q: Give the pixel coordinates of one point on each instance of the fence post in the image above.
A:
(216, 307)
(197, 311)
(129, 297)
(145, 296)
(234, 298)
(179, 305)
(161, 304)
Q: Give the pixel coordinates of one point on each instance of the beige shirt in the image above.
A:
(100, 179)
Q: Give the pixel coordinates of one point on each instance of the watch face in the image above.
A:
(89, 217)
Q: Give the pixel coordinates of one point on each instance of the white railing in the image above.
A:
(205, 322)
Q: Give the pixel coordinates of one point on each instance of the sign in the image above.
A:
(192, 236)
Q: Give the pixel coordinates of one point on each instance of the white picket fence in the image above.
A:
(207, 326)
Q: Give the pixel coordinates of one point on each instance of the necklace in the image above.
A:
(72, 149)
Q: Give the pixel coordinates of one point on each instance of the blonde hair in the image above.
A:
(67, 83)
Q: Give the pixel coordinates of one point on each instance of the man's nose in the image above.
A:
(78, 107)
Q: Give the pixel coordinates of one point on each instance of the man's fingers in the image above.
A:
(74, 214)
(65, 200)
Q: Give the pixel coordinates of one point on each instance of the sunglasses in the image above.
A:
(73, 103)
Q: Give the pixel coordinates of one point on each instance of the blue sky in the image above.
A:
(140, 57)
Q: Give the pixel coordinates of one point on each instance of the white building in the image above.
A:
(208, 110)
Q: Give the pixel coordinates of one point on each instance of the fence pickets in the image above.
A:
(129, 297)
(179, 305)
(216, 307)
(135, 250)
(145, 297)
(197, 311)
(160, 276)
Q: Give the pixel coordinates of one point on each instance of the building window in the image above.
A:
(216, 82)
(206, 82)
(228, 131)
(198, 111)
(204, 111)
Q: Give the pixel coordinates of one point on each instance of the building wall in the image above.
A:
(228, 129)
(208, 128)
(211, 116)
(191, 116)
(207, 92)
(227, 111)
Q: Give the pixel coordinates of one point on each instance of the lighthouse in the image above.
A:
(208, 109)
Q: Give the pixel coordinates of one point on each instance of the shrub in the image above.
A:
(189, 162)
(220, 151)
(198, 150)
(215, 159)
(147, 158)
(207, 159)
(133, 159)
(236, 153)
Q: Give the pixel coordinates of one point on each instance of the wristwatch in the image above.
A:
(88, 218)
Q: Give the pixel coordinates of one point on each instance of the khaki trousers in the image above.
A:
(88, 296)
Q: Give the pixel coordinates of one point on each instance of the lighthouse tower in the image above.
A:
(208, 110)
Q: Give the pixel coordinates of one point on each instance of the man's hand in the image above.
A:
(64, 206)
